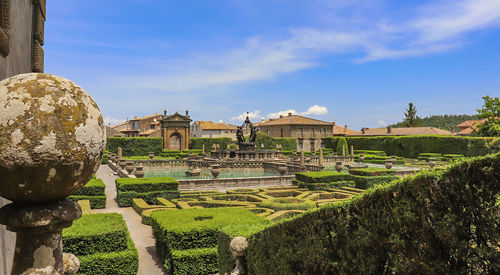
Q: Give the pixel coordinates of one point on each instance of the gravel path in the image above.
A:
(149, 263)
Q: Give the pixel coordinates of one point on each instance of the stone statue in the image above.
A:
(239, 135)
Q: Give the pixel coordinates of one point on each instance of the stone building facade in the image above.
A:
(21, 40)
(308, 131)
(147, 126)
(209, 129)
(175, 130)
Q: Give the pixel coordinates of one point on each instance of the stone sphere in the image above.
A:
(52, 138)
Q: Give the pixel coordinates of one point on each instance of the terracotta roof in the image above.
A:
(292, 120)
(340, 130)
(406, 131)
(148, 132)
(210, 125)
(146, 117)
(467, 123)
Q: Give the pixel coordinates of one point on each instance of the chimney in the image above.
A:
(363, 130)
(345, 128)
(289, 114)
(187, 112)
(165, 112)
(389, 129)
(281, 116)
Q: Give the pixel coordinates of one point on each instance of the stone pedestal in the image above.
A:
(39, 241)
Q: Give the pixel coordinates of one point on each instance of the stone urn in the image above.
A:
(151, 155)
(282, 169)
(389, 163)
(338, 166)
(52, 140)
(129, 166)
(122, 163)
(432, 162)
(139, 172)
(215, 170)
(361, 158)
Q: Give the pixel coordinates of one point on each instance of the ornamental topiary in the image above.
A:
(342, 143)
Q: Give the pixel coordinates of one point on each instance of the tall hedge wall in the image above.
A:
(289, 144)
(411, 146)
(444, 222)
(135, 146)
(197, 143)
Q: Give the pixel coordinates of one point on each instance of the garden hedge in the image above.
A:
(362, 182)
(411, 146)
(148, 189)
(197, 143)
(94, 192)
(372, 171)
(102, 244)
(342, 147)
(190, 229)
(445, 222)
(135, 146)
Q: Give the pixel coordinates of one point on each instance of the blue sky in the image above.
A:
(355, 62)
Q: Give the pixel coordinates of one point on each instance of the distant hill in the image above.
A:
(441, 121)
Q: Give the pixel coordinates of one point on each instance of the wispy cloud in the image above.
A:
(382, 123)
(112, 121)
(255, 115)
(433, 28)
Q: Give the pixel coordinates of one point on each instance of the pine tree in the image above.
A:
(411, 118)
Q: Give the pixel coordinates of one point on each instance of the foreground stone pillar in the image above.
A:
(321, 159)
(302, 156)
(52, 139)
(238, 248)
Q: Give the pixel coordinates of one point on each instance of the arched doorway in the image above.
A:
(175, 142)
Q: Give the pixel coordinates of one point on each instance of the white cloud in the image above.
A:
(255, 115)
(369, 36)
(112, 121)
(382, 123)
(315, 110)
(281, 113)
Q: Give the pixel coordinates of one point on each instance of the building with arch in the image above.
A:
(175, 130)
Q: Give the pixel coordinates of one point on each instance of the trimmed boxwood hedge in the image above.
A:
(287, 204)
(411, 146)
(197, 261)
(372, 171)
(102, 244)
(444, 222)
(195, 229)
(147, 189)
(94, 192)
(325, 185)
(362, 182)
(135, 146)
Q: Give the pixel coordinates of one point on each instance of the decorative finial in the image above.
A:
(164, 112)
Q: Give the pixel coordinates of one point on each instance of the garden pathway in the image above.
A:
(149, 263)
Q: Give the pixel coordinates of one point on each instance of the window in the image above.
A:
(301, 132)
(312, 131)
(281, 130)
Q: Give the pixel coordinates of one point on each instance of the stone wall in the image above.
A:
(21, 41)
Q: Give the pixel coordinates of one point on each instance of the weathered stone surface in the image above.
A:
(52, 138)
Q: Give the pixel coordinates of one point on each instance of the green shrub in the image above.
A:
(85, 206)
(411, 146)
(323, 176)
(104, 159)
(96, 233)
(342, 145)
(96, 202)
(372, 171)
(288, 143)
(135, 146)
(197, 143)
(287, 204)
(146, 184)
(94, 187)
(197, 261)
(370, 152)
(102, 244)
(442, 222)
(325, 185)
(427, 156)
(365, 182)
(195, 228)
(125, 197)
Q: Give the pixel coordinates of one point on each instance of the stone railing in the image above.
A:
(159, 162)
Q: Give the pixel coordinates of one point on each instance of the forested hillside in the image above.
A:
(441, 121)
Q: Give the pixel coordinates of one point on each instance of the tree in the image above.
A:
(491, 112)
(342, 143)
(411, 118)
